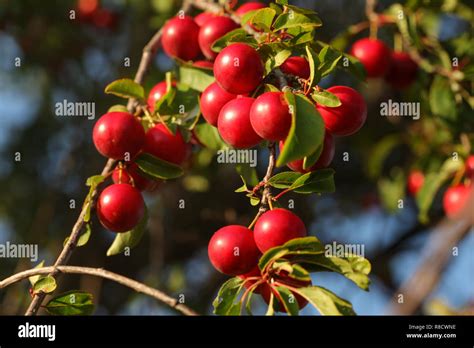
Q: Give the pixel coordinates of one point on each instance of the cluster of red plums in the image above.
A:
(244, 121)
(121, 136)
(455, 197)
(235, 250)
(396, 67)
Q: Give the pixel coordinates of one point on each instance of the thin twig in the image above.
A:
(148, 52)
(99, 272)
(266, 195)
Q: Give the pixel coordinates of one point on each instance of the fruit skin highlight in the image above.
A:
(118, 135)
(180, 38)
(374, 55)
(276, 227)
(212, 101)
(238, 69)
(347, 118)
(234, 124)
(120, 207)
(232, 250)
(270, 116)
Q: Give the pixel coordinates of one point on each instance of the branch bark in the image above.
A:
(437, 254)
(99, 272)
(148, 52)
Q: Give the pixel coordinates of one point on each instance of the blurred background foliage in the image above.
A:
(74, 59)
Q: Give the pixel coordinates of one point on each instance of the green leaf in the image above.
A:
(248, 173)
(442, 102)
(195, 78)
(276, 59)
(125, 88)
(326, 98)
(307, 130)
(288, 300)
(326, 302)
(297, 246)
(282, 2)
(94, 181)
(158, 168)
(209, 136)
(118, 108)
(353, 267)
(353, 65)
(328, 58)
(73, 302)
(293, 19)
(270, 255)
(34, 279)
(283, 180)
(46, 284)
(270, 310)
(313, 60)
(83, 238)
(167, 98)
(229, 291)
(304, 245)
(380, 152)
(236, 35)
(320, 181)
(432, 183)
(260, 19)
(129, 239)
(310, 160)
(271, 88)
(392, 189)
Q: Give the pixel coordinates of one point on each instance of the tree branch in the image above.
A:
(99, 272)
(437, 253)
(148, 52)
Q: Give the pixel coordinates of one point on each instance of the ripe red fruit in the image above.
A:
(232, 250)
(131, 173)
(285, 279)
(270, 116)
(156, 93)
(470, 166)
(454, 200)
(402, 72)
(117, 134)
(103, 18)
(205, 64)
(234, 124)
(374, 55)
(203, 18)
(212, 100)
(87, 8)
(347, 118)
(161, 143)
(324, 160)
(180, 38)
(276, 227)
(238, 69)
(415, 182)
(297, 66)
(249, 6)
(120, 207)
(212, 30)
